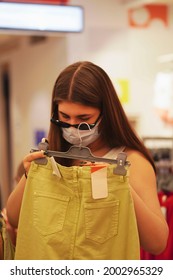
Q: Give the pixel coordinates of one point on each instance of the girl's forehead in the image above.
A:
(69, 107)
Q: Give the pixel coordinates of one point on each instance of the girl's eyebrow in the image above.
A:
(78, 116)
(63, 113)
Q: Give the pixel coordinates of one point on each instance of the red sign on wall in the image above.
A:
(143, 16)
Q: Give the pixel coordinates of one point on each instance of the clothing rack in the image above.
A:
(159, 142)
(163, 159)
(164, 176)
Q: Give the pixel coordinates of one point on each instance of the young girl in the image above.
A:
(86, 110)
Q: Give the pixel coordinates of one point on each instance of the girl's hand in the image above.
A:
(30, 157)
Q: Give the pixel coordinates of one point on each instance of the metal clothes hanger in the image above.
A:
(84, 153)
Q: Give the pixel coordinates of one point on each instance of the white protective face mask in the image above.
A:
(80, 137)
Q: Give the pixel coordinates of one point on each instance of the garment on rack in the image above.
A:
(60, 219)
(166, 203)
(163, 158)
(164, 168)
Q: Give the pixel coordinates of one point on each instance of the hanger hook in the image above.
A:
(80, 138)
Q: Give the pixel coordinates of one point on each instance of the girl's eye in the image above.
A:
(66, 117)
(78, 119)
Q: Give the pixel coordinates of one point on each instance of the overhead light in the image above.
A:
(40, 18)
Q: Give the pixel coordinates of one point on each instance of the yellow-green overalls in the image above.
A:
(60, 220)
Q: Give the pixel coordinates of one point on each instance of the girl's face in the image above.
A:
(75, 113)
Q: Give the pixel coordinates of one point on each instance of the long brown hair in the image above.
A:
(88, 84)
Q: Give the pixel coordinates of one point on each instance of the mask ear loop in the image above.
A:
(78, 130)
